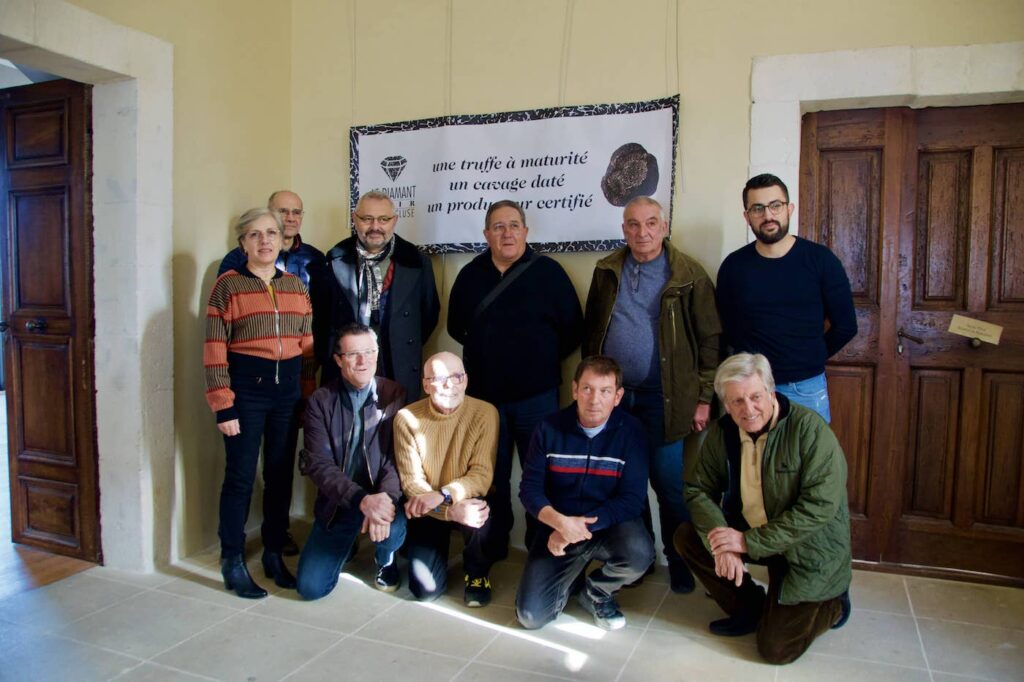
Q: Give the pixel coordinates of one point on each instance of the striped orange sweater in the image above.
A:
(243, 317)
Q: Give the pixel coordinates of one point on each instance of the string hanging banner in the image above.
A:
(571, 168)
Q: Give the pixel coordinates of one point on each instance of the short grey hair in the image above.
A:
(741, 367)
(378, 195)
(645, 201)
(251, 216)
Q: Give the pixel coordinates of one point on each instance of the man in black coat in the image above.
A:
(378, 279)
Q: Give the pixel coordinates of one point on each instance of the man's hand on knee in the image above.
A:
(472, 512)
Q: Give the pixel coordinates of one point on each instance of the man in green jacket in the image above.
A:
(652, 308)
(770, 487)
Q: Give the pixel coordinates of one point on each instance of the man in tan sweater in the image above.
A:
(445, 446)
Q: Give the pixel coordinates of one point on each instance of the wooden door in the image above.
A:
(46, 252)
(926, 210)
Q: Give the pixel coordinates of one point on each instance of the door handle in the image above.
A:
(37, 325)
(900, 335)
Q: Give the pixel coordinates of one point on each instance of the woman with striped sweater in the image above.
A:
(259, 362)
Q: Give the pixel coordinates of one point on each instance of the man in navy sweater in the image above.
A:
(585, 480)
(785, 297)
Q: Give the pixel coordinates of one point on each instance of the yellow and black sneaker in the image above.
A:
(478, 591)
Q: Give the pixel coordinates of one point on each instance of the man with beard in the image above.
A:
(785, 297)
(378, 279)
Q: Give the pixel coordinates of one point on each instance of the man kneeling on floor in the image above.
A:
(585, 479)
(769, 487)
(348, 455)
(445, 447)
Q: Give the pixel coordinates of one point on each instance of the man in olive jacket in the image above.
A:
(770, 487)
(652, 308)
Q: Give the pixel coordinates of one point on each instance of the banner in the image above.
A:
(571, 168)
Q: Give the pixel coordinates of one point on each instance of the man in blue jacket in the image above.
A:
(585, 480)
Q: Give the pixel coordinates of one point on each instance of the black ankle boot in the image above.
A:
(273, 567)
(237, 578)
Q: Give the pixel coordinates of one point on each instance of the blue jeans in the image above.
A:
(625, 548)
(666, 464)
(811, 393)
(516, 423)
(266, 416)
(326, 549)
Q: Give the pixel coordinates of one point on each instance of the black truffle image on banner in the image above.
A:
(632, 172)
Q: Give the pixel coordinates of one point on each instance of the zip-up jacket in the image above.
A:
(803, 480)
(253, 332)
(324, 457)
(604, 476)
(688, 332)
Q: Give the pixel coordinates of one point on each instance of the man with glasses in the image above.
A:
(507, 301)
(445, 447)
(380, 280)
(349, 457)
(785, 297)
(302, 260)
(297, 257)
(652, 308)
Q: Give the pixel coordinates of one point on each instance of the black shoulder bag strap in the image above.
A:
(502, 285)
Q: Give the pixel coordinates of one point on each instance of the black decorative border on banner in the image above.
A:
(510, 117)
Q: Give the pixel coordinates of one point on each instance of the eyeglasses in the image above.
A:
(257, 235)
(353, 354)
(506, 227)
(456, 379)
(284, 212)
(371, 219)
(757, 210)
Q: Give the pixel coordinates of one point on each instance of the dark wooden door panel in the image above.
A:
(926, 210)
(46, 254)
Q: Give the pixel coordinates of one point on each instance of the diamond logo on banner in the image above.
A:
(393, 166)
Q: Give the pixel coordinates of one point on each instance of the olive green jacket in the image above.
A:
(803, 480)
(687, 338)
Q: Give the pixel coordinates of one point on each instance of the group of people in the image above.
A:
(768, 487)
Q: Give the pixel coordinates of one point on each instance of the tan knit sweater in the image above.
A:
(454, 451)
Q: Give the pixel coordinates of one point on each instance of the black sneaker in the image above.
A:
(388, 579)
(606, 613)
(478, 591)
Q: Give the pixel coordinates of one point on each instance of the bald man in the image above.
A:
(445, 447)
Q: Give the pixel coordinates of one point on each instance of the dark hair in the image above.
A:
(351, 329)
(761, 182)
(504, 203)
(601, 365)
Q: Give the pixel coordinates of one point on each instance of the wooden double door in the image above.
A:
(925, 208)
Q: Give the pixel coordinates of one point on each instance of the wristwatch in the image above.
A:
(447, 496)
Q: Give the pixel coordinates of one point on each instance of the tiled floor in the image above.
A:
(183, 625)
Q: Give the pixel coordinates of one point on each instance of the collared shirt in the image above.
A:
(751, 458)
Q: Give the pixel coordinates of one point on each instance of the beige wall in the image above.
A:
(324, 65)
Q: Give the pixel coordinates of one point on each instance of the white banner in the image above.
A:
(572, 169)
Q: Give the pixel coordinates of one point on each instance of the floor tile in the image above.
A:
(350, 606)
(146, 624)
(568, 647)
(444, 626)
(949, 677)
(207, 584)
(361, 659)
(144, 580)
(41, 658)
(54, 606)
(482, 672)
(876, 591)
(670, 656)
(639, 603)
(249, 647)
(967, 602)
(688, 614)
(809, 667)
(874, 636)
(996, 653)
(152, 672)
